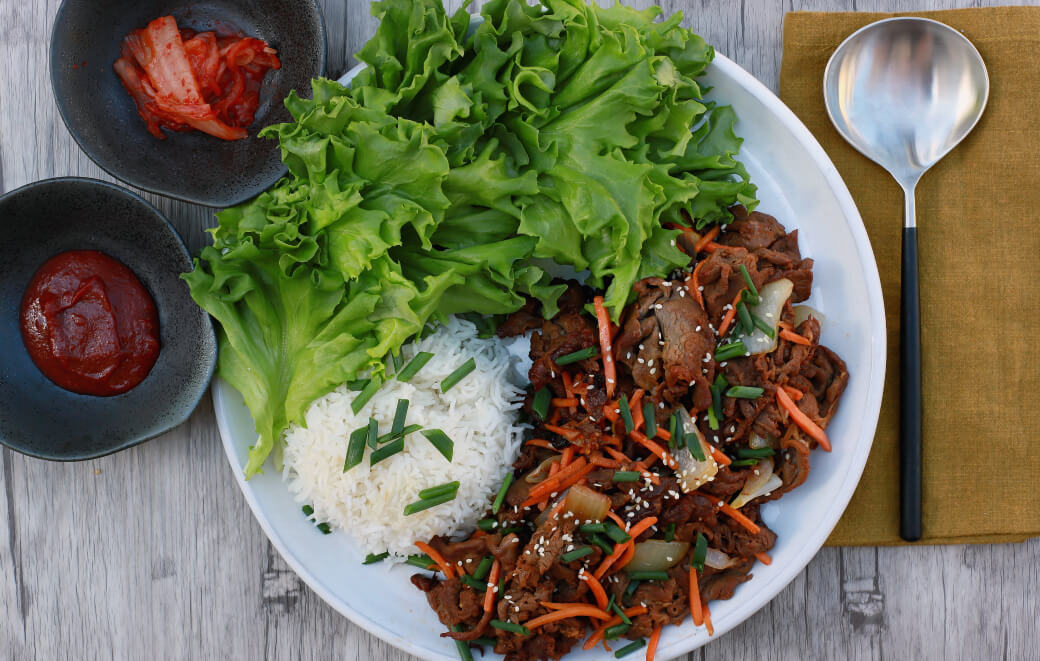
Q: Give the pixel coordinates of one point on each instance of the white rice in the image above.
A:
(479, 414)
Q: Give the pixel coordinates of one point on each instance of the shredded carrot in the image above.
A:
(603, 462)
(727, 319)
(564, 402)
(445, 567)
(565, 478)
(570, 434)
(555, 417)
(554, 605)
(707, 621)
(554, 467)
(635, 531)
(693, 283)
(574, 610)
(637, 410)
(764, 558)
(568, 387)
(603, 320)
(492, 586)
(597, 635)
(695, 599)
(610, 412)
(794, 337)
(597, 589)
(802, 420)
(719, 456)
(568, 456)
(793, 393)
(626, 558)
(739, 517)
(653, 447)
(651, 647)
(663, 434)
(617, 519)
(542, 443)
(707, 238)
(785, 325)
(712, 247)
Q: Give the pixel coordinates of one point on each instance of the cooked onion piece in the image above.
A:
(765, 481)
(657, 555)
(772, 297)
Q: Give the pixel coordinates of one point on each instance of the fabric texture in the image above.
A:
(979, 248)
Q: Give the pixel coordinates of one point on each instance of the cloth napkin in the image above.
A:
(979, 244)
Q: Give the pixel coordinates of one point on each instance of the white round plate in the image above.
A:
(796, 183)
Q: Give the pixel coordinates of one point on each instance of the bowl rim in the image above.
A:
(165, 191)
(208, 330)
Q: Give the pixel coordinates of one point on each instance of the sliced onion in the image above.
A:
(586, 504)
(772, 297)
(542, 471)
(759, 485)
(716, 559)
(803, 312)
(657, 555)
(757, 442)
(693, 473)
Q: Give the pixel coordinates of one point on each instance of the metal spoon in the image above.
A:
(904, 92)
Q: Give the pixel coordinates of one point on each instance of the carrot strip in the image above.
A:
(696, 612)
(554, 468)
(603, 462)
(764, 558)
(731, 314)
(570, 434)
(707, 238)
(568, 456)
(653, 447)
(597, 589)
(542, 443)
(707, 621)
(719, 456)
(794, 393)
(603, 321)
(785, 325)
(794, 337)
(635, 531)
(610, 412)
(555, 417)
(802, 420)
(564, 402)
(712, 247)
(619, 455)
(575, 610)
(562, 480)
(651, 647)
(663, 434)
(693, 283)
(444, 565)
(626, 558)
(636, 409)
(492, 586)
(554, 605)
(597, 635)
(739, 517)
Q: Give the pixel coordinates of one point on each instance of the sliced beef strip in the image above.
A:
(775, 251)
(453, 602)
(722, 279)
(546, 545)
(715, 584)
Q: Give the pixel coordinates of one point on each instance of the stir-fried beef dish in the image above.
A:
(636, 501)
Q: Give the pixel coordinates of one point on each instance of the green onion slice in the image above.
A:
(425, 504)
(487, 525)
(484, 568)
(592, 527)
(763, 326)
(510, 627)
(617, 534)
(439, 490)
(441, 441)
(673, 431)
(631, 647)
(731, 350)
(583, 354)
(461, 646)
(540, 403)
(497, 505)
(748, 280)
(700, 551)
(369, 391)
(355, 449)
(744, 316)
(373, 558)
(393, 437)
(307, 510)
(747, 453)
(744, 392)
(626, 414)
(579, 552)
(669, 532)
(694, 443)
(422, 561)
(385, 451)
(742, 463)
(373, 433)
(617, 630)
(399, 416)
(621, 613)
(648, 575)
(626, 476)
(458, 375)
(414, 365)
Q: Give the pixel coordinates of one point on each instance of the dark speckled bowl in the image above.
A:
(193, 167)
(37, 417)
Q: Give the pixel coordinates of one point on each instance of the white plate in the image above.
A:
(798, 184)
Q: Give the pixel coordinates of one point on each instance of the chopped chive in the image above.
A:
(749, 298)
(510, 627)
(626, 414)
(414, 365)
(631, 647)
(439, 490)
(669, 532)
(649, 418)
(357, 384)
(399, 416)
(462, 646)
(748, 280)
(744, 392)
(731, 350)
(373, 558)
(700, 551)
(763, 326)
(648, 575)
(398, 360)
(610, 604)
(324, 528)
(540, 403)
(746, 453)
(615, 631)
(385, 451)
(682, 439)
(427, 503)
(579, 552)
(355, 448)
(502, 585)
(393, 437)
(632, 585)
(441, 441)
(626, 476)
(583, 354)
(487, 525)
(479, 586)
(592, 527)
(421, 561)
(620, 613)
(458, 375)
(742, 463)
(715, 412)
(617, 534)
(484, 640)
(745, 318)
(693, 442)
(602, 542)
(673, 431)
(373, 433)
(484, 568)
(370, 389)
(307, 510)
(497, 505)
(713, 420)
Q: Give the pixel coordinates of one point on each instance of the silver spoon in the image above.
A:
(904, 92)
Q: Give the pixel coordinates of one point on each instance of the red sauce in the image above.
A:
(89, 324)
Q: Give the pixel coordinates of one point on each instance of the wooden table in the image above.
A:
(153, 552)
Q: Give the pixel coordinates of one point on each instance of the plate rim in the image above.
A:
(814, 542)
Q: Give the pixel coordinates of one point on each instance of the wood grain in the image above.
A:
(153, 553)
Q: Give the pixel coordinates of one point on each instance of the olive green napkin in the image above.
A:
(977, 213)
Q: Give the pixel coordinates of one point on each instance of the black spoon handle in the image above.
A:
(910, 393)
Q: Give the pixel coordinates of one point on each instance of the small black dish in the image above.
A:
(37, 417)
(193, 167)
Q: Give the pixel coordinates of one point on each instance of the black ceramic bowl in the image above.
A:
(194, 167)
(37, 417)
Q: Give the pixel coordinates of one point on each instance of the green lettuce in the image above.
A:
(444, 177)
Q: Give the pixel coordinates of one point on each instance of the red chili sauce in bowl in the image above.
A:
(89, 324)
